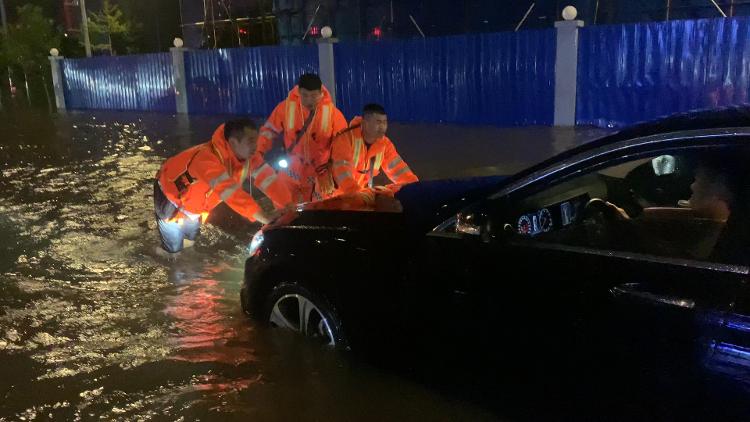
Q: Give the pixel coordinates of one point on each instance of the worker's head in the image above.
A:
(241, 135)
(715, 188)
(374, 122)
(310, 90)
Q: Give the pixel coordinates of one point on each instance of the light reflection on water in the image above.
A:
(93, 325)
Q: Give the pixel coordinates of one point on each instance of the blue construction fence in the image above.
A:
(138, 82)
(503, 79)
(626, 74)
(632, 73)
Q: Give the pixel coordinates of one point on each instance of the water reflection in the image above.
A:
(93, 325)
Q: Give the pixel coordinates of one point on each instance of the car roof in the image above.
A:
(728, 117)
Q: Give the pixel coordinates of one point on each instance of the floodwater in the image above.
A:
(94, 325)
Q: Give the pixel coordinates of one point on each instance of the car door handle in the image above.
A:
(633, 291)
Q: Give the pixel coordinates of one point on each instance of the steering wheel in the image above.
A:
(599, 219)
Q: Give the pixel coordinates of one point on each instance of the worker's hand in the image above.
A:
(263, 217)
(381, 189)
(281, 211)
(387, 203)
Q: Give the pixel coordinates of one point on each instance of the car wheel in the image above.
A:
(292, 306)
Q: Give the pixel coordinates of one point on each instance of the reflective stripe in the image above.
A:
(245, 171)
(261, 169)
(216, 180)
(378, 162)
(401, 172)
(341, 163)
(343, 176)
(266, 183)
(256, 215)
(358, 144)
(291, 109)
(229, 191)
(326, 119)
(394, 163)
(271, 126)
(360, 179)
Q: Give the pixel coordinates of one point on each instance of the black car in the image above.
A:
(617, 270)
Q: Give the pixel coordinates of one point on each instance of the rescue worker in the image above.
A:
(306, 122)
(360, 152)
(190, 184)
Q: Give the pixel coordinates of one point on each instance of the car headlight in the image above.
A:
(254, 245)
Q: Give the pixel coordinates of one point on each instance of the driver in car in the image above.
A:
(714, 201)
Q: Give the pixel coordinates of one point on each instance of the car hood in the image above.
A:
(431, 202)
(420, 205)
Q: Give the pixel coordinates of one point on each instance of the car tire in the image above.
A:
(287, 302)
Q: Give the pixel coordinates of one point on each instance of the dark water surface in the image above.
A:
(94, 325)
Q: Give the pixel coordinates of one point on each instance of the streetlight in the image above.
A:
(569, 13)
(326, 32)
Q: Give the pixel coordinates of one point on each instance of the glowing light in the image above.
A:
(255, 243)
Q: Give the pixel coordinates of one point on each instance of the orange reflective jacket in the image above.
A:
(355, 164)
(199, 178)
(313, 148)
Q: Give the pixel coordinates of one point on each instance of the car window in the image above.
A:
(688, 205)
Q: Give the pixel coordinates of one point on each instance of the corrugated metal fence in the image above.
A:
(504, 79)
(501, 79)
(626, 74)
(244, 80)
(632, 73)
(142, 82)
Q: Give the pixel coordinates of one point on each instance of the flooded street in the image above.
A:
(94, 325)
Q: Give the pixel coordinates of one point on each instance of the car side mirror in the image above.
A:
(468, 223)
(474, 223)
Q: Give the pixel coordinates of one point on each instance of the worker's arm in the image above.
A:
(395, 167)
(272, 129)
(207, 167)
(339, 122)
(343, 168)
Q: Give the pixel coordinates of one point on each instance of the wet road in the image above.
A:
(93, 325)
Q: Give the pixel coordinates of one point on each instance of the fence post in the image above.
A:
(566, 72)
(327, 65)
(178, 73)
(57, 81)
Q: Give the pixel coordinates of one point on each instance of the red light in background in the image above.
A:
(315, 30)
(243, 31)
(377, 32)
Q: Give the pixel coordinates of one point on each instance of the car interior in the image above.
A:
(638, 206)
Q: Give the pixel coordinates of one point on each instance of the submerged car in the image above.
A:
(616, 269)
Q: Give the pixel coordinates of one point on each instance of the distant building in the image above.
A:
(207, 24)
